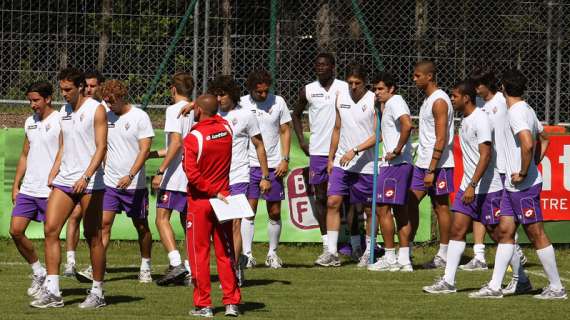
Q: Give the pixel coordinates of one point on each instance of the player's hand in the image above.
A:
(330, 166)
(390, 156)
(346, 158)
(469, 195)
(15, 192)
(282, 169)
(156, 181)
(79, 186)
(428, 180)
(305, 148)
(124, 182)
(264, 186)
(186, 109)
(517, 178)
(223, 198)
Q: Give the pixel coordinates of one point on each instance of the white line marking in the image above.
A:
(541, 274)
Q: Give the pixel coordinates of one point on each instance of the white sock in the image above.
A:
(548, 260)
(518, 270)
(502, 259)
(355, 242)
(37, 268)
(71, 257)
(333, 240)
(97, 288)
(274, 232)
(368, 245)
(145, 264)
(247, 232)
(390, 254)
(174, 258)
(442, 252)
(479, 251)
(52, 284)
(404, 256)
(325, 240)
(455, 250)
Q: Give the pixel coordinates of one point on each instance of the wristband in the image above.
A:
(86, 178)
(437, 150)
(131, 176)
(473, 184)
(355, 149)
(285, 158)
(429, 171)
(522, 174)
(159, 173)
(266, 178)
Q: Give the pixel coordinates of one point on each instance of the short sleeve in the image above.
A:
(172, 123)
(285, 115)
(400, 108)
(483, 127)
(144, 126)
(252, 125)
(517, 121)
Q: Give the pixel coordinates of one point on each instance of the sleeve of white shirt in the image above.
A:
(539, 126)
(484, 131)
(400, 108)
(517, 121)
(172, 123)
(285, 115)
(145, 127)
(252, 125)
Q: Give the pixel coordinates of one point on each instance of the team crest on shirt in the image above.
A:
(48, 127)
(81, 117)
(363, 108)
(127, 126)
(441, 185)
(494, 110)
(234, 121)
(529, 213)
(389, 193)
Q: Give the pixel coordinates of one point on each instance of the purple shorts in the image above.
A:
(74, 196)
(358, 186)
(523, 205)
(443, 183)
(133, 202)
(172, 200)
(318, 169)
(238, 188)
(277, 192)
(486, 208)
(393, 184)
(30, 207)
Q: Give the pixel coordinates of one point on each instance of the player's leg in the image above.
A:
(247, 227)
(108, 219)
(71, 241)
(404, 232)
(441, 207)
(387, 228)
(478, 262)
(145, 247)
(352, 212)
(225, 262)
(318, 178)
(164, 210)
(274, 233)
(330, 258)
(236, 235)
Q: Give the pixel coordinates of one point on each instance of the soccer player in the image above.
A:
(29, 196)
(245, 133)
(433, 170)
(395, 175)
(319, 97)
(129, 139)
(273, 118)
(351, 159)
(496, 108)
(520, 203)
(76, 178)
(170, 179)
(93, 80)
(481, 190)
(207, 154)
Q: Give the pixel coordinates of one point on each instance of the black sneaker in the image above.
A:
(173, 275)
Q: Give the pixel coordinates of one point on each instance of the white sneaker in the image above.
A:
(549, 294)
(486, 293)
(273, 261)
(474, 265)
(383, 265)
(145, 276)
(402, 267)
(92, 301)
(251, 262)
(85, 276)
(440, 286)
(47, 299)
(517, 287)
(35, 288)
(69, 270)
(328, 259)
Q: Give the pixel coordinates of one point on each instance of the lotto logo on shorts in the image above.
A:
(389, 193)
(441, 185)
(301, 199)
(164, 198)
(529, 213)
(496, 212)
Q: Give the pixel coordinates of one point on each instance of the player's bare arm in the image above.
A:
(257, 142)
(174, 145)
(405, 132)
(55, 168)
(543, 142)
(440, 118)
(285, 139)
(144, 150)
(297, 117)
(365, 145)
(485, 151)
(20, 169)
(335, 138)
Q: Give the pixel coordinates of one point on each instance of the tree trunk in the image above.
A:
(63, 53)
(104, 33)
(226, 49)
(421, 24)
(324, 22)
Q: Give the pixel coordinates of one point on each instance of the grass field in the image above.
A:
(298, 291)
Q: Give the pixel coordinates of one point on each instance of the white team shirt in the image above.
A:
(43, 137)
(427, 133)
(244, 127)
(394, 108)
(475, 130)
(496, 109)
(174, 178)
(356, 125)
(270, 114)
(521, 117)
(322, 114)
(123, 137)
(79, 145)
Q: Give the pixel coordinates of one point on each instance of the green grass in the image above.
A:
(298, 291)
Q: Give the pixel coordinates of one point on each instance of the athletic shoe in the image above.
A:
(232, 310)
(524, 260)
(356, 254)
(85, 276)
(188, 280)
(36, 286)
(437, 263)
(549, 294)
(382, 265)
(486, 293)
(69, 270)
(273, 261)
(92, 301)
(145, 276)
(517, 287)
(251, 262)
(402, 267)
(364, 260)
(328, 260)
(205, 312)
(474, 265)
(47, 299)
(440, 286)
(173, 275)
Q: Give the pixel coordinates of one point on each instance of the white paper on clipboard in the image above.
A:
(237, 207)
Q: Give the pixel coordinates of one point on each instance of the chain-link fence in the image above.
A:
(127, 39)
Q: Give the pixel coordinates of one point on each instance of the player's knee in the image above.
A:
(275, 216)
(17, 234)
(333, 203)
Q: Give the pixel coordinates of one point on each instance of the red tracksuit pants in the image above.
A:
(202, 225)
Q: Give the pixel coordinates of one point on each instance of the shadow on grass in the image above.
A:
(244, 308)
(264, 282)
(122, 269)
(110, 300)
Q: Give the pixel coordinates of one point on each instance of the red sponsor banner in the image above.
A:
(555, 168)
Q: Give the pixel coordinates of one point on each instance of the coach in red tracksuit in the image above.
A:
(207, 158)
